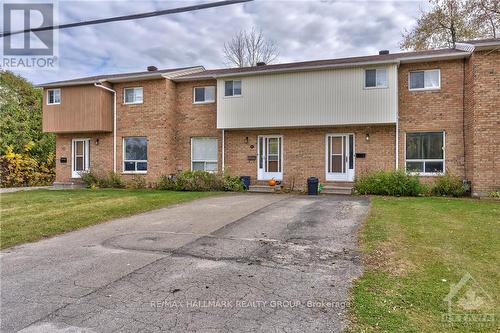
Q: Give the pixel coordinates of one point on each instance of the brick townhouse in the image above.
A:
(424, 112)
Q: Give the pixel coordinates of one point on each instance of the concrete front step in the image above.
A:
(344, 188)
(264, 188)
(68, 185)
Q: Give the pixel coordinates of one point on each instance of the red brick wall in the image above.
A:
(436, 110)
(193, 120)
(483, 121)
(101, 155)
(304, 151)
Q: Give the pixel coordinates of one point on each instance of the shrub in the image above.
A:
(137, 182)
(233, 184)
(166, 183)
(93, 179)
(23, 169)
(198, 180)
(398, 183)
(449, 185)
(494, 194)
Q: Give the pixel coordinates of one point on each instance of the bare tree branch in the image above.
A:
(247, 48)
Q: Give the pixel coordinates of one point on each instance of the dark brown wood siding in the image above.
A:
(84, 108)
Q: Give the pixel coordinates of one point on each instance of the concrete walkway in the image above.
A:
(228, 263)
(17, 189)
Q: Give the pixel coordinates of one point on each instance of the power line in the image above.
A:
(128, 17)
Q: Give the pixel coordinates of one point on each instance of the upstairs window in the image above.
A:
(132, 95)
(232, 88)
(425, 80)
(135, 155)
(204, 95)
(376, 78)
(425, 152)
(53, 96)
(204, 154)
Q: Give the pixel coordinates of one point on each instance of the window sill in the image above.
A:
(132, 103)
(425, 89)
(134, 172)
(372, 88)
(207, 102)
(54, 103)
(235, 96)
(426, 174)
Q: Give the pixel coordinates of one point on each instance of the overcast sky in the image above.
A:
(303, 30)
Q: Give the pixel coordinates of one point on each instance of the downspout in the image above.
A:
(397, 116)
(223, 143)
(99, 85)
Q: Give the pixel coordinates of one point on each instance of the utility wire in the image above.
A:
(128, 17)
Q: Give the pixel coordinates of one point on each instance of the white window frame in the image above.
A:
(429, 174)
(136, 161)
(376, 72)
(424, 88)
(134, 102)
(48, 96)
(233, 95)
(204, 101)
(86, 157)
(205, 161)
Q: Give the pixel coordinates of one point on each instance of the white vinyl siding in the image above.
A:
(133, 95)
(53, 96)
(318, 98)
(424, 80)
(204, 154)
(204, 95)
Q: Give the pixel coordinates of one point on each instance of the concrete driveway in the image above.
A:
(237, 262)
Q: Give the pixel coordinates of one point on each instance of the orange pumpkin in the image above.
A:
(271, 182)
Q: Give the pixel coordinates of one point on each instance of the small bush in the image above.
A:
(199, 181)
(166, 183)
(93, 179)
(137, 182)
(449, 185)
(494, 194)
(233, 184)
(396, 183)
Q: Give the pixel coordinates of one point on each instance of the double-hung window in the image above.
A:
(133, 95)
(425, 80)
(425, 152)
(135, 154)
(376, 78)
(204, 154)
(53, 96)
(232, 88)
(204, 95)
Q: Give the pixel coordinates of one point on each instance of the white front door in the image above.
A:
(340, 157)
(270, 157)
(80, 161)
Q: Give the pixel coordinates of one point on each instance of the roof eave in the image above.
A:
(137, 77)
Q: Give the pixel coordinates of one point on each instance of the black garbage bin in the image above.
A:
(246, 181)
(312, 185)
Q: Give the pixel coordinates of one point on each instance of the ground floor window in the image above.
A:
(204, 154)
(425, 152)
(135, 154)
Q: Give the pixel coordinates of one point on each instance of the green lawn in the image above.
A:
(413, 248)
(31, 215)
